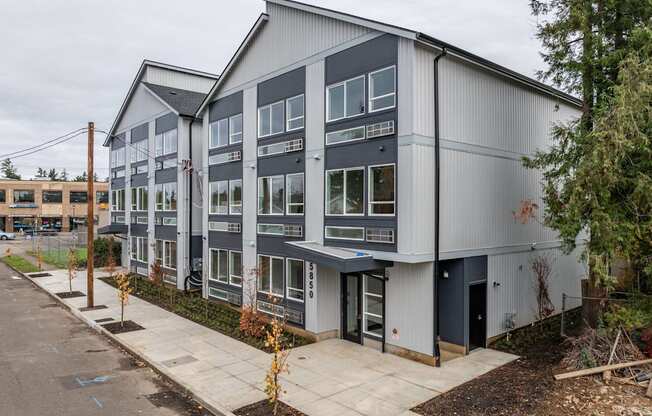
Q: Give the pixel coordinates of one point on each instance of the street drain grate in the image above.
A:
(99, 321)
(96, 307)
(68, 295)
(39, 274)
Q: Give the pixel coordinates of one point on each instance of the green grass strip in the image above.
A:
(19, 263)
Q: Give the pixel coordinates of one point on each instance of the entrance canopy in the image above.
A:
(113, 229)
(343, 260)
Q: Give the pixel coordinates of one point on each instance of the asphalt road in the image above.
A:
(53, 364)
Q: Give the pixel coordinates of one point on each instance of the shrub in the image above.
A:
(636, 314)
(101, 253)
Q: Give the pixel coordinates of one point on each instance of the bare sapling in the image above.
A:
(156, 276)
(251, 322)
(72, 266)
(124, 290)
(280, 352)
(541, 267)
(39, 257)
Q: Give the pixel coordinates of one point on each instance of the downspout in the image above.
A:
(437, 350)
(192, 120)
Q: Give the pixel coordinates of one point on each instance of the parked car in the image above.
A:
(7, 236)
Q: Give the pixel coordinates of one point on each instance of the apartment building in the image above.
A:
(154, 141)
(358, 179)
(49, 205)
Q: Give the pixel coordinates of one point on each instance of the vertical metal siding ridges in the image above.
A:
(180, 80)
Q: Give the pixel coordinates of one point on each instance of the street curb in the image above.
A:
(216, 410)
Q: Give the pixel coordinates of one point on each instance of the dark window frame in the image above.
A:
(47, 201)
(20, 201)
(75, 200)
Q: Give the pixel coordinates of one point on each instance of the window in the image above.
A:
(218, 294)
(169, 221)
(235, 129)
(235, 268)
(270, 119)
(271, 198)
(166, 196)
(166, 142)
(139, 151)
(345, 192)
(231, 227)
(269, 229)
(139, 198)
(78, 197)
(294, 186)
(141, 220)
(235, 197)
(170, 254)
(381, 190)
(222, 158)
(345, 233)
(380, 235)
(373, 306)
(52, 197)
(282, 147)
(118, 200)
(270, 279)
(382, 89)
(118, 173)
(219, 192)
(384, 128)
(294, 113)
(135, 170)
(23, 197)
(219, 267)
(3, 196)
(118, 157)
(219, 133)
(158, 251)
(119, 219)
(295, 270)
(345, 99)
(102, 197)
(139, 249)
(347, 135)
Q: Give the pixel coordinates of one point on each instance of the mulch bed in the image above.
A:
(116, 328)
(263, 408)
(68, 295)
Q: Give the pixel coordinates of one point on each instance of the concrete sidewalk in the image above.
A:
(332, 377)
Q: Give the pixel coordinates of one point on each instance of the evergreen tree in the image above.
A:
(81, 178)
(41, 173)
(9, 170)
(64, 175)
(53, 175)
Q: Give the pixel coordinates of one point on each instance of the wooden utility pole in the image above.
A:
(90, 220)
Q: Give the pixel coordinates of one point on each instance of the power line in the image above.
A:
(46, 147)
(42, 144)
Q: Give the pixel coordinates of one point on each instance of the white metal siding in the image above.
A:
(328, 299)
(482, 108)
(249, 186)
(183, 228)
(197, 155)
(515, 292)
(142, 108)
(424, 93)
(293, 35)
(409, 307)
(314, 171)
(176, 79)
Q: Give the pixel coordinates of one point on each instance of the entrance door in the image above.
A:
(351, 308)
(477, 315)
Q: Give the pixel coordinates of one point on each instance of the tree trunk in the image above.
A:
(592, 308)
(122, 314)
(588, 93)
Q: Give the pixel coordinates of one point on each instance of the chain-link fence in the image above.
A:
(55, 248)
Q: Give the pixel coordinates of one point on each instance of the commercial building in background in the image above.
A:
(29, 205)
(357, 178)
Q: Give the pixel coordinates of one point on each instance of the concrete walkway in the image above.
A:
(328, 378)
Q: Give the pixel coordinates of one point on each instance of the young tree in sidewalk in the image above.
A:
(124, 290)
(280, 353)
(72, 266)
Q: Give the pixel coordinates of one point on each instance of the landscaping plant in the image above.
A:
(156, 276)
(541, 266)
(39, 257)
(72, 266)
(274, 341)
(124, 290)
(252, 323)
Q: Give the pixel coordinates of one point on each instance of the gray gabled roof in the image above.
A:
(184, 102)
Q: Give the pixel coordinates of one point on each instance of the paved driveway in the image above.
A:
(332, 377)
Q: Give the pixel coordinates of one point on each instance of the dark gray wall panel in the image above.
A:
(360, 245)
(139, 230)
(226, 107)
(280, 219)
(285, 163)
(452, 296)
(225, 149)
(223, 286)
(283, 86)
(117, 183)
(220, 239)
(139, 180)
(363, 120)
(368, 56)
(166, 232)
(166, 122)
(197, 250)
(232, 170)
(475, 269)
(118, 141)
(368, 152)
(166, 175)
(274, 245)
(139, 133)
(225, 218)
(137, 263)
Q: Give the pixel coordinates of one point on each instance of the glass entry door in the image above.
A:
(351, 308)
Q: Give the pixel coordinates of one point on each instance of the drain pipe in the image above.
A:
(437, 350)
(192, 120)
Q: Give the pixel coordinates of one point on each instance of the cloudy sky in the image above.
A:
(67, 62)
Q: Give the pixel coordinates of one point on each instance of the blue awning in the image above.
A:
(343, 260)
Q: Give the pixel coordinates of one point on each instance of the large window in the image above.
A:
(235, 129)
(165, 253)
(294, 186)
(52, 197)
(271, 119)
(345, 99)
(3, 196)
(344, 233)
(138, 151)
(382, 89)
(381, 190)
(235, 197)
(78, 197)
(373, 306)
(118, 157)
(102, 197)
(294, 112)
(271, 190)
(166, 196)
(118, 200)
(139, 249)
(345, 192)
(219, 133)
(219, 197)
(23, 196)
(139, 198)
(295, 279)
(235, 268)
(270, 275)
(219, 267)
(166, 142)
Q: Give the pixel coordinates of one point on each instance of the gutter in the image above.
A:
(435, 286)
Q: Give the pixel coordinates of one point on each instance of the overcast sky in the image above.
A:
(67, 62)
